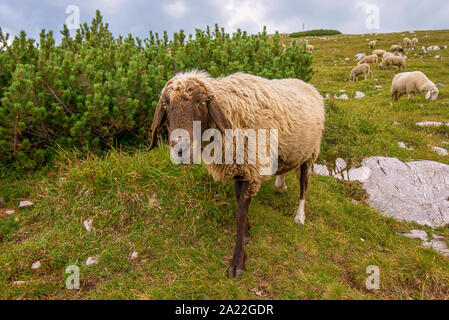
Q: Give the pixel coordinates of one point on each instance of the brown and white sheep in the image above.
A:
(379, 52)
(415, 42)
(364, 69)
(369, 59)
(291, 107)
(393, 61)
(396, 48)
(372, 44)
(412, 83)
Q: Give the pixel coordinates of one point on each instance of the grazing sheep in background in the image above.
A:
(369, 59)
(393, 61)
(396, 48)
(415, 42)
(242, 101)
(372, 44)
(379, 52)
(407, 42)
(310, 48)
(412, 83)
(387, 54)
(364, 69)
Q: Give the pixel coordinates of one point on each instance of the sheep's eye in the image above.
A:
(203, 101)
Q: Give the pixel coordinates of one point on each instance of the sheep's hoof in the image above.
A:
(282, 189)
(246, 239)
(238, 265)
(238, 273)
(300, 220)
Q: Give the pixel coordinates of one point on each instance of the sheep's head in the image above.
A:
(432, 93)
(185, 100)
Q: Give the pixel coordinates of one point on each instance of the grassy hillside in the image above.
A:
(180, 222)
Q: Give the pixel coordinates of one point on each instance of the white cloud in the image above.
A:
(176, 9)
(253, 15)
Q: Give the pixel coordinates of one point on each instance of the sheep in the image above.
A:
(310, 48)
(369, 59)
(291, 107)
(372, 44)
(393, 61)
(407, 42)
(412, 82)
(387, 54)
(364, 69)
(396, 48)
(415, 42)
(379, 52)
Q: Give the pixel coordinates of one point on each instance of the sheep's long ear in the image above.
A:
(217, 115)
(158, 119)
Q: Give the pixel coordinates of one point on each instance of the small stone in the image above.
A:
(437, 237)
(133, 255)
(321, 170)
(378, 87)
(404, 146)
(361, 239)
(441, 151)
(359, 95)
(361, 174)
(342, 97)
(340, 165)
(36, 265)
(10, 212)
(359, 56)
(25, 204)
(435, 244)
(18, 283)
(429, 124)
(88, 225)
(417, 234)
(92, 260)
(396, 123)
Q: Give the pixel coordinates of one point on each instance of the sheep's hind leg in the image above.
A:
(241, 219)
(303, 175)
(280, 184)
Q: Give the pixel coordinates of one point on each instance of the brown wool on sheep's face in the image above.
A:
(181, 104)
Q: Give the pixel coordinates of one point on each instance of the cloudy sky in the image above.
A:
(140, 16)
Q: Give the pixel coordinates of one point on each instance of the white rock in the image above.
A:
(396, 123)
(340, 165)
(36, 265)
(437, 237)
(88, 225)
(437, 57)
(414, 191)
(433, 48)
(429, 124)
(92, 260)
(9, 212)
(435, 244)
(18, 283)
(359, 174)
(404, 146)
(321, 170)
(25, 204)
(342, 91)
(417, 234)
(359, 56)
(441, 151)
(378, 87)
(347, 59)
(133, 255)
(359, 95)
(342, 97)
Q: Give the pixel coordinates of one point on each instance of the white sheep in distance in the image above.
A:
(369, 59)
(390, 61)
(396, 48)
(407, 42)
(242, 101)
(372, 44)
(387, 54)
(412, 83)
(364, 69)
(310, 48)
(415, 42)
(379, 52)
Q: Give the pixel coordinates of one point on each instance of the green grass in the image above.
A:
(318, 32)
(181, 222)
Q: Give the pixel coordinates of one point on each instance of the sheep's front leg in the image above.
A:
(241, 220)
